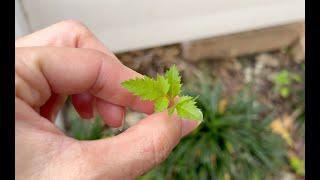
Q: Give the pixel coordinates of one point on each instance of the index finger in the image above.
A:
(74, 70)
(70, 33)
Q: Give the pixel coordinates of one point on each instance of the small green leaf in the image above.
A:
(161, 104)
(284, 92)
(162, 91)
(282, 78)
(147, 88)
(174, 79)
(296, 77)
(297, 165)
(186, 108)
(163, 84)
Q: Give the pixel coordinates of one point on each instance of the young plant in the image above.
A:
(86, 130)
(297, 165)
(232, 142)
(283, 81)
(164, 91)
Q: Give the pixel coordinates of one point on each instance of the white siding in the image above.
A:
(132, 24)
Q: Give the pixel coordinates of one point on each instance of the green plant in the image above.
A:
(233, 142)
(297, 165)
(88, 130)
(163, 91)
(288, 83)
(283, 81)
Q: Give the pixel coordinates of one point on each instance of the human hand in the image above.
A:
(66, 59)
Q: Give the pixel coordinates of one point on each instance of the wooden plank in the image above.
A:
(243, 43)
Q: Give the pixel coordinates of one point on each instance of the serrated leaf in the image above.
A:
(186, 108)
(161, 104)
(162, 90)
(174, 80)
(181, 101)
(163, 84)
(147, 88)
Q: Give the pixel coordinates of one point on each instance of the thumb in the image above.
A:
(142, 146)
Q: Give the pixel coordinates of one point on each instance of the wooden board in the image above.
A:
(243, 43)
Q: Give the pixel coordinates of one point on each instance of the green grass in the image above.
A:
(231, 143)
(234, 144)
(88, 130)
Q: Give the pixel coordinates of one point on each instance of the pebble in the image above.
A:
(267, 60)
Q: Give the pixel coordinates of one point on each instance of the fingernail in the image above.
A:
(188, 126)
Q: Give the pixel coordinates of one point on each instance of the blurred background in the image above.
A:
(246, 60)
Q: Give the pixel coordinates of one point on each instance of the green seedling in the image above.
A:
(165, 91)
(283, 80)
(86, 130)
(236, 144)
(297, 165)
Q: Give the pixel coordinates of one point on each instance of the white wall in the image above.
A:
(21, 26)
(133, 24)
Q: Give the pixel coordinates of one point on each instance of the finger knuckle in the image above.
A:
(75, 25)
(99, 80)
(29, 83)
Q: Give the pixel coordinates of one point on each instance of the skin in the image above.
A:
(64, 60)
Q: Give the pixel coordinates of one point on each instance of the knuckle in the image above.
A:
(23, 91)
(72, 23)
(30, 83)
(99, 80)
(25, 54)
(75, 25)
(100, 83)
